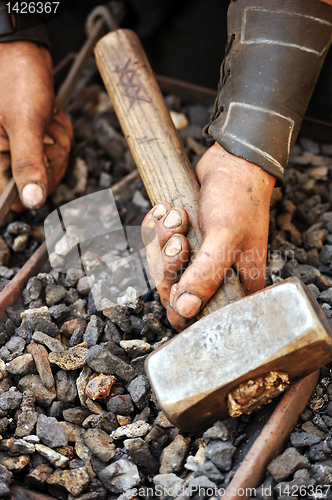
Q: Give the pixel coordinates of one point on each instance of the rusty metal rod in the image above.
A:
(272, 439)
(67, 88)
(13, 289)
(21, 493)
(7, 199)
(11, 292)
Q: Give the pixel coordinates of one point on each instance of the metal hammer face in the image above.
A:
(280, 330)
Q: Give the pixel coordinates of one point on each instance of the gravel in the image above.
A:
(286, 464)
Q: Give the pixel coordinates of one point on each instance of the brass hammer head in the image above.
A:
(275, 335)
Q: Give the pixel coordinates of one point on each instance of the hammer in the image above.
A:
(243, 351)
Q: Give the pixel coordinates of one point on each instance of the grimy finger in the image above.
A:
(202, 278)
(158, 230)
(250, 267)
(29, 171)
(150, 220)
(169, 264)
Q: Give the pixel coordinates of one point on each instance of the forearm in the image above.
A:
(273, 59)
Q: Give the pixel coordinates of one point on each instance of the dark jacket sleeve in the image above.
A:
(17, 23)
(275, 52)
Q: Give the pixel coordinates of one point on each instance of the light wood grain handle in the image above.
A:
(154, 142)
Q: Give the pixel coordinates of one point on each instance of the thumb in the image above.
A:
(202, 278)
(28, 166)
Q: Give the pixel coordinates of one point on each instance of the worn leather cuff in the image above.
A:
(273, 58)
(28, 27)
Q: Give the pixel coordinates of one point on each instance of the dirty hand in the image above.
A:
(233, 215)
(35, 137)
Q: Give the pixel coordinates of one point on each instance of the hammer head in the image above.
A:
(280, 330)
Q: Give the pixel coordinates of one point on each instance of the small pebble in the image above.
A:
(72, 359)
(137, 429)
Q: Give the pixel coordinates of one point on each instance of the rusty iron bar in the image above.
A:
(7, 199)
(13, 289)
(271, 439)
(98, 23)
(61, 70)
(189, 92)
(21, 493)
(11, 292)
(67, 88)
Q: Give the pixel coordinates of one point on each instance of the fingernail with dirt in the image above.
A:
(173, 246)
(159, 211)
(32, 195)
(188, 305)
(48, 140)
(173, 219)
(172, 294)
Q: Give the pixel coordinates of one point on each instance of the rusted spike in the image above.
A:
(272, 439)
(68, 87)
(11, 292)
(7, 199)
(19, 493)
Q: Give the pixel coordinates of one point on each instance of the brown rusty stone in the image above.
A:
(14, 463)
(40, 474)
(99, 386)
(124, 420)
(72, 359)
(75, 481)
(73, 431)
(67, 451)
(70, 326)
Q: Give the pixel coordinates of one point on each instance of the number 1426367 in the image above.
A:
(32, 7)
(318, 492)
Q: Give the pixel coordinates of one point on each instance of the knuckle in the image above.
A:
(21, 166)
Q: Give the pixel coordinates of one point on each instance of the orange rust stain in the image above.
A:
(99, 386)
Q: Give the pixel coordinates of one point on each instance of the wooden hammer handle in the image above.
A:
(152, 138)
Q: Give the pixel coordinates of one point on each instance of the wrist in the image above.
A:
(223, 166)
(19, 49)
